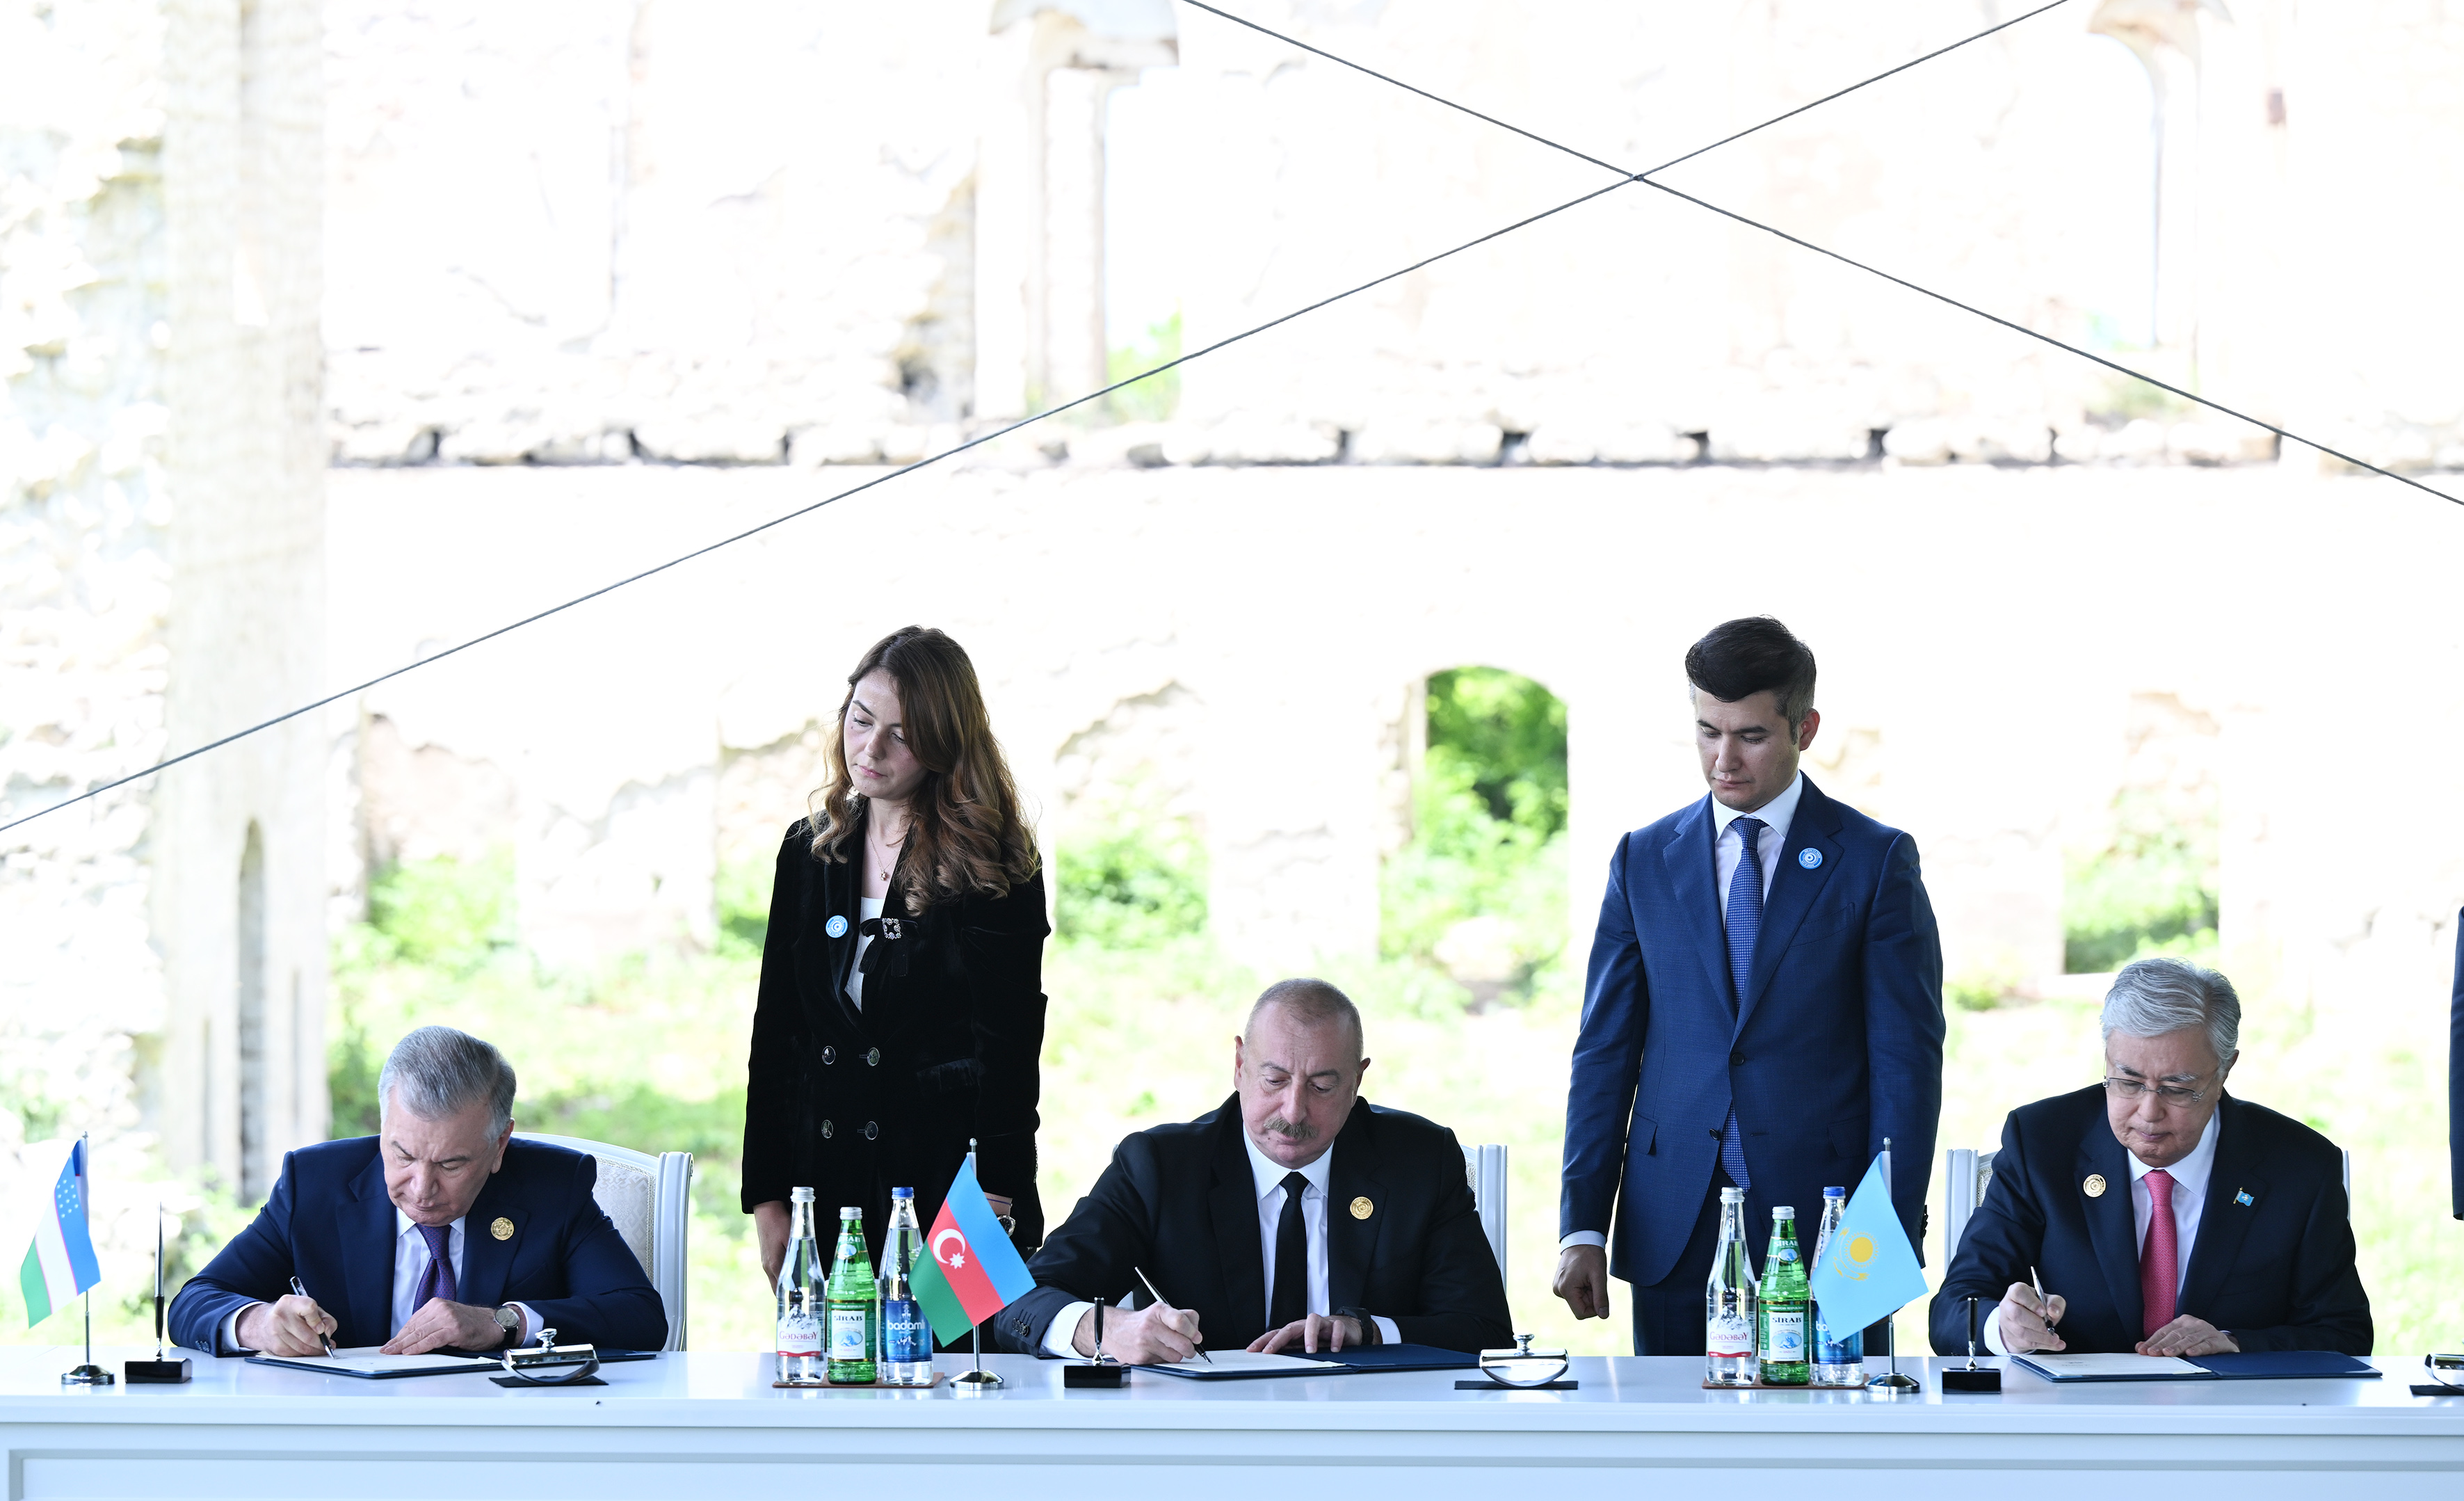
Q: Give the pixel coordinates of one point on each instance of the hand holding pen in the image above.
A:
(288, 1326)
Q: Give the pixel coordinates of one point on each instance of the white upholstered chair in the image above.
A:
(1485, 1167)
(649, 1198)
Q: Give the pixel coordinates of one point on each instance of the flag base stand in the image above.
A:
(978, 1381)
(89, 1374)
(1892, 1384)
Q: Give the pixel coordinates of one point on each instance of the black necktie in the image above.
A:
(1290, 1302)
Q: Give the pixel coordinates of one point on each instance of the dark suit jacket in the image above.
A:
(1180, 1201)
(1837, 1042)
(2276, 1272)
(329, 1222)
(853, 1102)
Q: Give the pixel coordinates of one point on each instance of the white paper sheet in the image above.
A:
(364, 1361)
(1224, 1364)
(2113, 1367)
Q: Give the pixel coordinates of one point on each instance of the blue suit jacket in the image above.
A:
(2272, 1263)
(329, 1222)
(1835, 1043)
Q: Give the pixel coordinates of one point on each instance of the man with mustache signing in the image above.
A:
(1294, 1217)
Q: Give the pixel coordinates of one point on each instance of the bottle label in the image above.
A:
(1730, 1337)
(848, 1331)
(1785, 1339)
(800, 1337)
(906, 1338)
(1830, 1350)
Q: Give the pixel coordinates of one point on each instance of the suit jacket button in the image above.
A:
(1736, 1059)
(829, 1056)
(828, 1130)
(872, 1058)
(870, 1131)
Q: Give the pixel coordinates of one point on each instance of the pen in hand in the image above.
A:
(1159, 1297)
(322, 1338)
(2044, 1309)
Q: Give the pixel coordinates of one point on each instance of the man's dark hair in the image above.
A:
(1313, 1001)
(1741, 658)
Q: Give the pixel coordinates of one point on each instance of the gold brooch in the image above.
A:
(1362, 1208)
(502, 1229)
(2095, 1185)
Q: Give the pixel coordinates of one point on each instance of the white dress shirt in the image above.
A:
(1728, 851)
(869, 907)
(2191, 1177)
(410, 1260)
(1267, 1174)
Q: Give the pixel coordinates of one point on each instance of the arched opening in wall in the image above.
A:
(249, 1015)
(1125, 833)
(1475, 888)
(2144, 880)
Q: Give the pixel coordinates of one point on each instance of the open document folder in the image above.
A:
(1234, 1365)
(2249, 1366)
(364, 1363)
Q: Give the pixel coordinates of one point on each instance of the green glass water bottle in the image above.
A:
(854, 1307)
(1784, 1308)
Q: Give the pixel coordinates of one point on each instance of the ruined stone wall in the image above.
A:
(163, 536)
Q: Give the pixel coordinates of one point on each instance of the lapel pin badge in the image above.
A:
(502, 1229)
(2241, 1196)
(1362, 1208)
(1809, 858)
(2094, 1187)
(836, 927)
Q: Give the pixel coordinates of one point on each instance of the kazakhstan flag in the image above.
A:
(1869, 1271)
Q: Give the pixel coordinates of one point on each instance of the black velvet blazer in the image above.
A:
(856, 1102)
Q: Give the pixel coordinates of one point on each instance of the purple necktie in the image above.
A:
(1744, 925)
(437, 1281)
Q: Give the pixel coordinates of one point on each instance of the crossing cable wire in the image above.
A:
(1649, 178)
(1625, 180)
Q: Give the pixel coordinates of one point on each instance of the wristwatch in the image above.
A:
(509, 1318)
(1370, 1332)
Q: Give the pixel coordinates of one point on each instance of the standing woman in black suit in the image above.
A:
(901, 1010)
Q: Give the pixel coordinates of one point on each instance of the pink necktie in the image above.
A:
(2160, 1265)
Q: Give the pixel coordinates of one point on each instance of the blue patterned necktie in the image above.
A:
(437, 1281)
(1744, 925)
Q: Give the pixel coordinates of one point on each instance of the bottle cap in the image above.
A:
(850, 1211)
(1783, 1211)
(800, 1196)
(1834, 1193)
(1733, 1196)
(902, 1193)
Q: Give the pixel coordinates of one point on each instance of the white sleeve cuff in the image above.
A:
(532, 1323)
(1584, 1238)
(227, 1332)
(1387, 1332)
(1060, 1337)
(1990, 1316)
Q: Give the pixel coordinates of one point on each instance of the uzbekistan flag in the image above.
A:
(60, 1263)
(971, 1270)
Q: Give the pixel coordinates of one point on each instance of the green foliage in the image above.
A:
(1481, 890)
(2152, 891)
(1153, 400)
(441, 913)
(1131, 884)
(745, 907)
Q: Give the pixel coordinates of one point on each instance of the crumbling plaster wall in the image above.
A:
(163, 536)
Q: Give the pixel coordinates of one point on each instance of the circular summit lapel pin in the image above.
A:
(502, 1229)
(1809, 858)
(2094, 1187)
(1362, 1208)
(836, 927)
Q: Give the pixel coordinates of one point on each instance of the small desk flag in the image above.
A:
(1869, 1271)
(970, 1269)
(60, 1263)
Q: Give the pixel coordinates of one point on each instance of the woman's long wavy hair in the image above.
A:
(965, 833)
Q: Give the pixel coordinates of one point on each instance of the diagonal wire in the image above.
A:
(1625, 180)
(1649, 175)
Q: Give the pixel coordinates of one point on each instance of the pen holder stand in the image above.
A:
(163, 1373)
(1098, 1374)
(1972, 1378)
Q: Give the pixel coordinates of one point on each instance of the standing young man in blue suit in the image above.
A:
(1763, 1006)
(439, 1231)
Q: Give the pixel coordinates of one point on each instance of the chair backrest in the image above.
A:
(1965, 1176)
(650, 1198)
(1485, 1167)
(2348, 1183)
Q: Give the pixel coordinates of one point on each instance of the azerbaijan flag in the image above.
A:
(970, 1271)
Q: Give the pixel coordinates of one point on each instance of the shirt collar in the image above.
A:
(1777, 814)
(2190, 1173)
(1268, 1173)
(404, 1225)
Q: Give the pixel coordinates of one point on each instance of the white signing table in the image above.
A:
(710, 1423)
